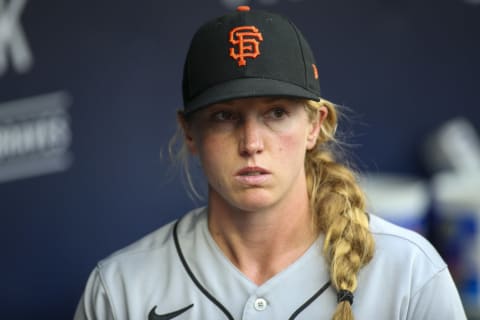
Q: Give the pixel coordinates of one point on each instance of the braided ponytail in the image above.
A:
(338, 206)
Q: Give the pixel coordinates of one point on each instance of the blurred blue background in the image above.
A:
(89, 91)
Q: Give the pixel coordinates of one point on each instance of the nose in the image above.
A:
(251, 140)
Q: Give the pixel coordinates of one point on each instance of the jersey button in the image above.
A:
(260, 304)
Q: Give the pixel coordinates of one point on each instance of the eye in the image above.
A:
(277, 113)
(223, 116)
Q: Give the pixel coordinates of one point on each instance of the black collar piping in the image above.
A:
(215, 301)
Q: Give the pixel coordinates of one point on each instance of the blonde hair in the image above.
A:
(336, 201)
(338, 207)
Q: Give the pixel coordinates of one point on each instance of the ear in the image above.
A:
(187, 132)
(315, 127)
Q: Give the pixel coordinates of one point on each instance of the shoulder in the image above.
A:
(154, 244)
(397, 242)
(409, 275)
(135, 278)
(403, 258)
(402, 264)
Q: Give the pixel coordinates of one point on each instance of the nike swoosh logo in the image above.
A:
(167, 316)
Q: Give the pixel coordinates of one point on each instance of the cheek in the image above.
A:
(205, 141)
(292, 143)
(212, 150)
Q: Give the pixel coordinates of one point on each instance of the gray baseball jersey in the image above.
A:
(179, 272)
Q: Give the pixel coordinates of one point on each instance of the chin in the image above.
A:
(254, 202)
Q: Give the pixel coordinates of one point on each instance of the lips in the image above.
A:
(252, 175)
(252, 171)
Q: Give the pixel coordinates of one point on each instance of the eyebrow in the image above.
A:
(262, 99)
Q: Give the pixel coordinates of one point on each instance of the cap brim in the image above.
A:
(247, 88)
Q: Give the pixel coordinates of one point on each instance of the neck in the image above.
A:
(264, 242)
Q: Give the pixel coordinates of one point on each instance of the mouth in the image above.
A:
(252, 171)
(253, 176)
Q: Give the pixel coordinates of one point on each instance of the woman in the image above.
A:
(284, 234)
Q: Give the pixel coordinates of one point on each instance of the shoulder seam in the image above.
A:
(109, 296)
(428, 281)
(440, 266)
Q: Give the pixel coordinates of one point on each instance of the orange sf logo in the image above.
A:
(247, 38)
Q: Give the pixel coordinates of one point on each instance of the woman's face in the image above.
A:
(252, 150)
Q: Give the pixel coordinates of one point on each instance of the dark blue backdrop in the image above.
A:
(404, 67)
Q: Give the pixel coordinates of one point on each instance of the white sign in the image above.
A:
(35, 136)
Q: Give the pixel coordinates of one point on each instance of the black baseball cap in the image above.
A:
(248, 54)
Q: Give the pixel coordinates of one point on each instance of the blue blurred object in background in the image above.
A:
(457, 210)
